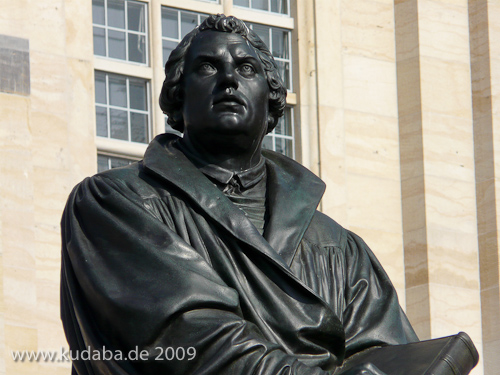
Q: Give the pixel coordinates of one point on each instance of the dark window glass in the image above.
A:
(116, 13)
(188, 22)
(116, 47)
(118, 124)
(169, 23)
(99, 41)
(137, 48)
(98, 12)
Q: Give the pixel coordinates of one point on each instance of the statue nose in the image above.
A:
(228, 78)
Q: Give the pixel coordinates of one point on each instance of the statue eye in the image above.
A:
(206, 68)
(247, 70)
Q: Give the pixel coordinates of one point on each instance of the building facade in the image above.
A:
(394, 104)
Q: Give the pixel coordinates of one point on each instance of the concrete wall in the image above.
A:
(46, 146)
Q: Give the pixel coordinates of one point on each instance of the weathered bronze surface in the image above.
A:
(212, 246)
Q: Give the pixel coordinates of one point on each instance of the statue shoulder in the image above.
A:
(131, 181)
(324, 231)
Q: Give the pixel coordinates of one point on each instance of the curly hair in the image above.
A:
(171, 97)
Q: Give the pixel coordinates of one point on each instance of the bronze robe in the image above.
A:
(154, 255)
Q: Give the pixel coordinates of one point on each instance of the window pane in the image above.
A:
(279, 6)
(98, 11)
(169, 23)
(139, 127)
(99, 41)
(168, 47)
(101, 119)
(136, 16)
(118, 122)
(242, 3)
(100, 88)
(284, 70)
(280, 43)
(102, 163)
(284, 126)
(260, 4)
(263, 33)
(117, 91)
(138, 95)
(284, 146)
(188, 22)
(137, 48)
(116, 13)
(116, 44)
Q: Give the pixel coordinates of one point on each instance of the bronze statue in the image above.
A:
(209, 256)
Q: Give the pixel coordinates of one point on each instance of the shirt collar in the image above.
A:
(246, 178)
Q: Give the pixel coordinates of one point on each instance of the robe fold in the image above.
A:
(154, 256)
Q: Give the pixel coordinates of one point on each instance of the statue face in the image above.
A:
(225, 89)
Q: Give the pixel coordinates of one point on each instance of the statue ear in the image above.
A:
(271, 123)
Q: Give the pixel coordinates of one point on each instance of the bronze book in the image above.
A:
(452, 355)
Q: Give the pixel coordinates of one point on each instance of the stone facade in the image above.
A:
(397, 110)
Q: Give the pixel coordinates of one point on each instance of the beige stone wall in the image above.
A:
(399, 112)
(46, 147)
(407, 98)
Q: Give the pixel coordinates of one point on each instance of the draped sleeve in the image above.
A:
(339, 266)
(372, 314)
(130, 282)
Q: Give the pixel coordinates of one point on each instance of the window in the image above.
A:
(275, 6)
(122, 107)
(120, 30)
(105, 162)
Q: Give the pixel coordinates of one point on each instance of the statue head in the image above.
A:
(172, 95)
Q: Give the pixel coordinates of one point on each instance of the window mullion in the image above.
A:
(106, 27)
(179, 25)
(290, 65)
(126, 31)
(148, 124)
(127, 85)
(108, 112)
(146, 31)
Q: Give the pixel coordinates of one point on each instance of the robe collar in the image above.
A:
(246, 178)
(293, 195)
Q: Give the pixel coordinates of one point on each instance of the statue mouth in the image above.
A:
(230, 100)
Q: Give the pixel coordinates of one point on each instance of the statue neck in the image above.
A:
(228, 155)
